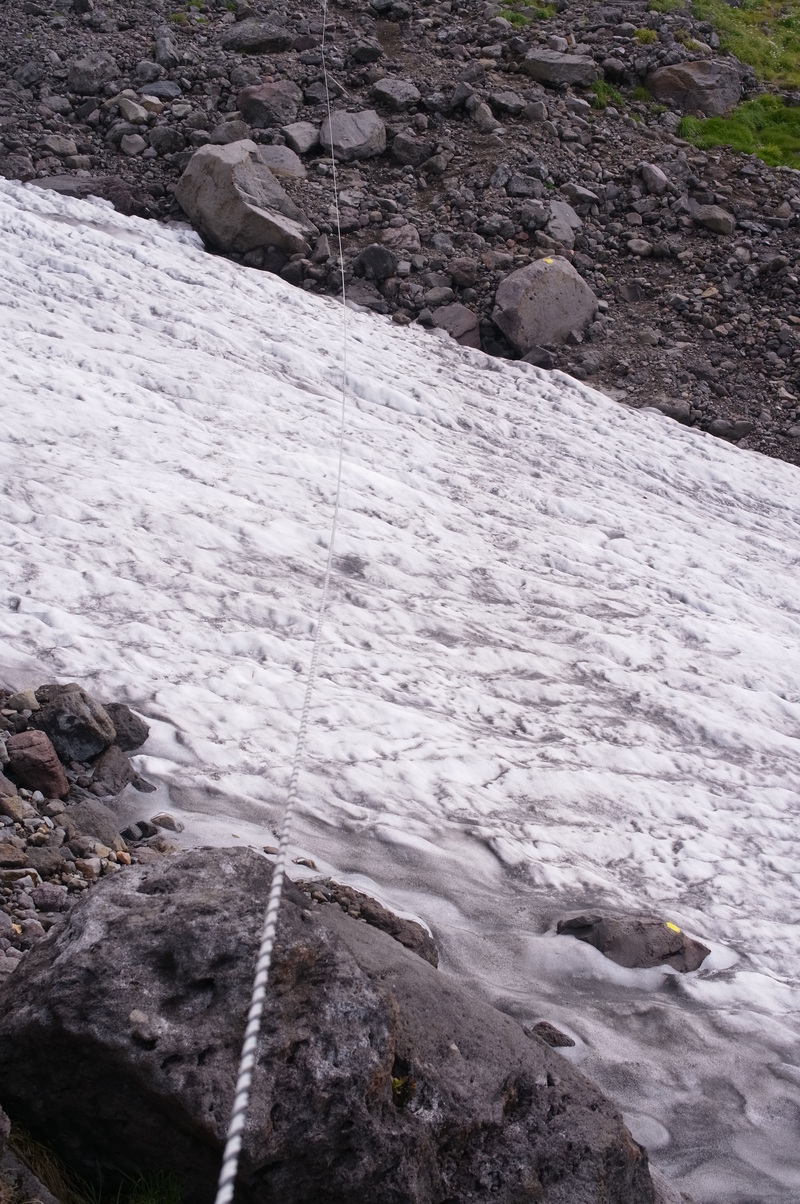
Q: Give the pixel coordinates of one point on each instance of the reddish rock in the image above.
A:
(34, 764)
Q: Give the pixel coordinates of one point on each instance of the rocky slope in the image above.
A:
(485, 156)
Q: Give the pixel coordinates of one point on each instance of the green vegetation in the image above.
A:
(646, 36)
(605, 95)
(665, 6)
(524, 11)
(763, 33)
(71, 1189)
(640, 94)
(766, 127)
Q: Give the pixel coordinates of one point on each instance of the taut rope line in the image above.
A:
(233, 1145)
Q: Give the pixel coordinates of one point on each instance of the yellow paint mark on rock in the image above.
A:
(672, 927)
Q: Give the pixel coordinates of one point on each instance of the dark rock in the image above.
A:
(167, 54)
(162, 89)
(93, 819)
(714, 86)
(352, 136)
(166, 139)
(375, 262)
(257, 37)
(460, 322)
(34, 764)
(540, 357)
(376, 1079)
(76, 723)
(550, 1035)
(131, 729)
(234, 199)
(85, 76)
(411, 151)
(543, 303)
(637, 942)
(47, 862)
(677, 408)
(264, 105)
(50, 897)
(554, 67)
(112, 773)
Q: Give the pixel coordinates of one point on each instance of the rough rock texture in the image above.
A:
(131, 729)
(34, 764)
(76, 723)
(459, 322)
(712, 86)
(235, 200)
(377, 1079)
(553, 67)
(637, 942)
(265, 105)
(543, 303)
(354, 136)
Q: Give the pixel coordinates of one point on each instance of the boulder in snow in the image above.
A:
(233, 198)
(376, 1078)
(637, 942)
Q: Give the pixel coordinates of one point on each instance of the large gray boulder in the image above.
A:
(376, 1079)
(353, 136)
(554, 67)
(713, 86)
(542, 303)
(265, 105)
(233, 198)
(85, 76)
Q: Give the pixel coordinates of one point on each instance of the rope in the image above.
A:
(241, 1101)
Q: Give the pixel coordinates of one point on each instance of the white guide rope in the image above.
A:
(233, 1145)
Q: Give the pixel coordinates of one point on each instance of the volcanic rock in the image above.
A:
(637, 942)
(376, 1078)
(77, 724)
(543, 303)
(354, 136)
(231, 195)
(713, 86)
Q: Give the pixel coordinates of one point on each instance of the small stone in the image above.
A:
(640, 246)
(131, 111)
(24, 700)
(165, 820)
(132, 144)
(353, 136)
(655, 181)
(34, 763)
(397, 94)
(89, 867)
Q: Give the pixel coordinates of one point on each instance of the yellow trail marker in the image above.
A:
(672, 927)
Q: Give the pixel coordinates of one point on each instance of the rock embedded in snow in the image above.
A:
(637, 942)
(713, 86)
(542, 303)
(233, 198)
(353, 136)
(377, 1078)
(268, 104)
(77, 724)
(460, 322)
(554, 67)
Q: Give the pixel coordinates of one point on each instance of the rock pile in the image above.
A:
(468, 151)
(64, 762)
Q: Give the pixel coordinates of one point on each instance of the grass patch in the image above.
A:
(763, 33)
(641, 95)
(71, 1189)
(665, 6)
(525, 11)
(646, 36)
(605, 95)
(765, 127)
(515, 18)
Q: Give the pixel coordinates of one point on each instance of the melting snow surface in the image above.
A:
(561, 664)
